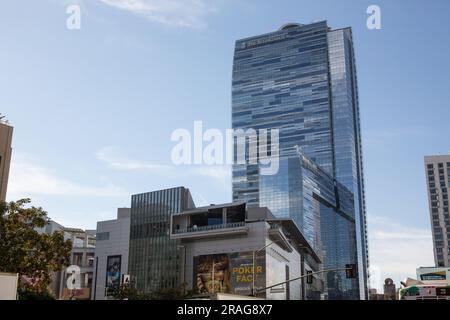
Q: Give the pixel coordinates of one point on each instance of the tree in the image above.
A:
(178, 293)
(129, 292)
(126, 292)
(24, 251)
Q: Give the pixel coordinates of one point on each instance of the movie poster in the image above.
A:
(113, 265)
(229, 273)
(213, 274)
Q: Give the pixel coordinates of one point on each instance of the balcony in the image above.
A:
(210, 231)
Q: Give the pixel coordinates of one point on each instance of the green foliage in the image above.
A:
(35, 295)
(24, 251)
(128, 292)
(125, 292)
(178, 293)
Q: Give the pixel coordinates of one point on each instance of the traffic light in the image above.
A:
(350, 271)
(309, 277)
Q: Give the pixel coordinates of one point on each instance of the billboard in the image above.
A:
(432, 273)
(229, 273)
(113, 265)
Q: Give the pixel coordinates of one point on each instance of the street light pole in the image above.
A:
(307, 275)
(254, 265)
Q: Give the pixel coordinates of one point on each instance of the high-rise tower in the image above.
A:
(438, 182)
(302, 81)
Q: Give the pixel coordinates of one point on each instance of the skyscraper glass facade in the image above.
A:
(324, 211)
(154, 261)
(289, 80)
(347, 134)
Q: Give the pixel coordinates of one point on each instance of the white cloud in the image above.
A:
(113, 157)
(220, 173)
(181, 13)
(28, 179)
(396, 250)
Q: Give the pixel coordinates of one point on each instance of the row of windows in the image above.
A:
(438, 237)
(446, 217)
(441, 250)
(440, 165)
(440, 244)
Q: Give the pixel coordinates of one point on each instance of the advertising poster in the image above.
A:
(229, 273)
(113, 265)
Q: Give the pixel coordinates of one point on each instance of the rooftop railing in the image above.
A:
(211, 227)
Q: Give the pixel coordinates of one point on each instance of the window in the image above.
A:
(236, 214)
(77, 259)
(78, 242)
(101, 236)
(199, 220)
(90, 259)
(215, 217)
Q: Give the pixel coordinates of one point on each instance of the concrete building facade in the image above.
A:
(234, 250)
(6, 132)
(81, 262)
(111, 254)
(82, 257)
(437, 170)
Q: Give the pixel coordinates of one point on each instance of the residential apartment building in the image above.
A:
(437, 169)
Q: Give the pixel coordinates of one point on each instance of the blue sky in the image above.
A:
(93, 109)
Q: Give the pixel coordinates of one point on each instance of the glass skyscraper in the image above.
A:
(301, 80)
(154, 258)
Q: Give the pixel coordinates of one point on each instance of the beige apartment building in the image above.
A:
(438, 181)
(6, 132)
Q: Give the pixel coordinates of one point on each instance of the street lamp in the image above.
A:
(254, 265)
